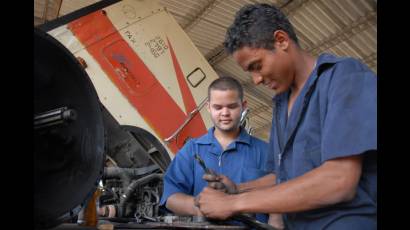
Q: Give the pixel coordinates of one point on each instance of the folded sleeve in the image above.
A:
(266, 164)
(179, 177)
(350, 126)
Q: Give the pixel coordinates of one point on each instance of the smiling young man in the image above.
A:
(323, 142)
(226, 149)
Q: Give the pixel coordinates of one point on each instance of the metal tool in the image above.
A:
(202, 163)
(248, 220)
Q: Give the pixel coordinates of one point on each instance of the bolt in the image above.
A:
(82, 62)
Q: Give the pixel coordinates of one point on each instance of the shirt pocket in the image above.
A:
(305, 158)
(251, 173)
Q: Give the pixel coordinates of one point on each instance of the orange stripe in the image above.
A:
(135, 81)
(196, 126)
(186, 93)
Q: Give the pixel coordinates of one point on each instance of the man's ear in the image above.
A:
(208, 106)
(281, 40)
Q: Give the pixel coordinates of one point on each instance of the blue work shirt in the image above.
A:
(334, 116)
(243, 160)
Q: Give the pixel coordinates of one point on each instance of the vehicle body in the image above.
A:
(149, 82)
(145, 69)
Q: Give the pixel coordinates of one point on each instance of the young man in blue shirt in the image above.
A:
(226, 149)
(323, 142)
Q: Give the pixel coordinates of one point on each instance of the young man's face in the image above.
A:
(269, 67)
(225, 108)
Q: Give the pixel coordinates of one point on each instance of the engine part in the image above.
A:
(69, 134)
(133, 147)
(54, 117)
(133, 177)
(131, 188)
(182, 222)
(153, 148)
(116, 172)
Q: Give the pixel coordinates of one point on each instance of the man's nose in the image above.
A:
(257, 78)
(225, 111)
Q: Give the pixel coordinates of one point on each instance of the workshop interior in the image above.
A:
(120, 87)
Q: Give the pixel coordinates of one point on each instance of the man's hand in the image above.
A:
(220, 182)
(276, 221)
(183, 204)
(215, 204)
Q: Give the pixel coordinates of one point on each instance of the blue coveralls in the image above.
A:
(243, 160)
(334, 116)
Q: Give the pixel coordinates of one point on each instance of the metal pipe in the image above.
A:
(54, 117)
(116, 172)
(244, 115)
(188, 119)
(133, 185)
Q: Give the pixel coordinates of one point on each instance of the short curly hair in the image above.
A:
(254, 26)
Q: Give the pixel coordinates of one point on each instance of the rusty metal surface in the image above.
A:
(180, 222)
(194, 225)
(193, 222)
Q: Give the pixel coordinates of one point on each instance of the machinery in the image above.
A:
(106, 127)
(68, 133)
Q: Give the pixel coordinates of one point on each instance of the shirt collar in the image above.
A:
(323, 62)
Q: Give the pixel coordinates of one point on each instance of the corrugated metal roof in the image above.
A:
(341, 27)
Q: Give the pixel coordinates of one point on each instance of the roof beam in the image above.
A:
(258, 110)
(371, 60)
(263, 128)
(345, 34)
(202, 13)
(50, 11)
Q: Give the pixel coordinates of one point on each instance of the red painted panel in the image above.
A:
(136, 82)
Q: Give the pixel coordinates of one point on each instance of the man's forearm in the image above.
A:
(263, 182)
(182, 204)
(331, 183)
